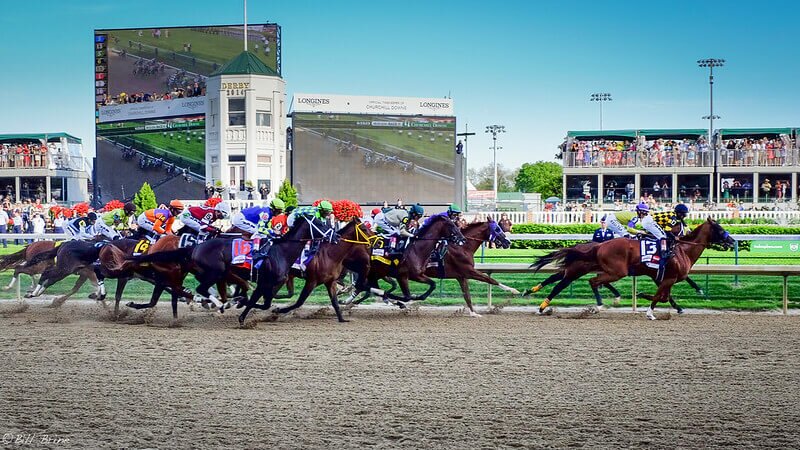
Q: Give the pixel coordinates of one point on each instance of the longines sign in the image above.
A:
(357, 104)
(149, 110)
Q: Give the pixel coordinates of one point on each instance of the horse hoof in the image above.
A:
(680, 310)
(130, 305)
(93, 296)
(475, 315)
(650, 316)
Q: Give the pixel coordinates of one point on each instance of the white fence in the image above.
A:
(574, 217)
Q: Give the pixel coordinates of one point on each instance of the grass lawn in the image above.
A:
(439, 149)
(750, 293)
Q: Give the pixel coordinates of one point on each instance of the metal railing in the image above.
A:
(699, 157)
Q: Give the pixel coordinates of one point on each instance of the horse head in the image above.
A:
(719, 235)
(497, 235)
(312, 228)
(441, 227)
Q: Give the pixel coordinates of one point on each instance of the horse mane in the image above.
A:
(431, 221)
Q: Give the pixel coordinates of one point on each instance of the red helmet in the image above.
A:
(376, 211)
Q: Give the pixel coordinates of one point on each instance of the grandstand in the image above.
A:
(750, 166)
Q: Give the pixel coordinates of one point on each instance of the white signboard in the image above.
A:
(148, 110)
(357, 104)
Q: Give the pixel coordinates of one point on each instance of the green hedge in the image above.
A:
(589, 228)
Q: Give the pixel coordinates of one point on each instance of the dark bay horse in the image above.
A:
(352, 251)
(618, 258)
(72, 257)
(18, 260)
(459, 261)
(274, 269)
(414, 261)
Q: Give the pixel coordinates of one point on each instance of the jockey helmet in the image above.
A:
(325, 206)
(117, 218)
(417, 209)
(680, 208)
(92, 216)
(376, 211)
(453, 209)
(277, 203)
(129, 208)
(177, 204)
(224, 208)
(642, 207)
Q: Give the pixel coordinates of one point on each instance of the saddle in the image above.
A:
(437, 256)
(382, 252)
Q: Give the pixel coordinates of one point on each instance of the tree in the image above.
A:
(483, 178)
(145, 199)
(542, 177)
(287, 193)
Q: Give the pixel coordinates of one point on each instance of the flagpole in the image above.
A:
(245, 25)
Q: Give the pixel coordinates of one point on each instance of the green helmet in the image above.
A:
(417, 209)
(453, 209)
(325, 206)
(277, 203)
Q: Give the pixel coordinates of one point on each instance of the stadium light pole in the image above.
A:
(495, 130)
(600, 97)
(711, 63)
(466, 134)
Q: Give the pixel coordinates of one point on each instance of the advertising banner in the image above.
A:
(357, 104)
(166, 108)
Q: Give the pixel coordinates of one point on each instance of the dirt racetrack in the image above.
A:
(426, 379)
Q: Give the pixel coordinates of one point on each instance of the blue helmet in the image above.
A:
(680, 208)
(642, 207)
(416, 209)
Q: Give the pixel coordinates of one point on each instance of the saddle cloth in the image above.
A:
(141, 247)
(241, 252)
(649, 251)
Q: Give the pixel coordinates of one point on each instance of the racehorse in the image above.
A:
(618, 258)
(558, 276)
(44, 252)
(351, 251)
(274, 269)
(459, 261)
(412, 265)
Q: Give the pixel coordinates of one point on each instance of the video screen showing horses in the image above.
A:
(151, 64)
(374, 158)
(164, 152)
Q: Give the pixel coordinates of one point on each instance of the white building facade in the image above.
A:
(246, 129)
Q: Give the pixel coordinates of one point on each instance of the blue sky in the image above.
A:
(530, 66)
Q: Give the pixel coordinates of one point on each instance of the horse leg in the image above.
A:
(697, 288)
(121, 283)
(422, 278)
(675, 305)
(598, 299)
(614, 292)
(473, 274)
(464, 283)
(332, 290)
(565, 281)
(157, 290)
(307, 289)
(13, 279)
(558, 276)
(289, 288)
(206, 282)
(252, 301)
(101, 282)
(57, 302)
(55, 275)
(662, 295)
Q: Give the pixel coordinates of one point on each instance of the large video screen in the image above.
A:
(149, 64)
(374, 158)
(168, 153)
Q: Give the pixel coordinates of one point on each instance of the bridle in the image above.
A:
(361, 237)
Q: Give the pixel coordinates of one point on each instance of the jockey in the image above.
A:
(322, 211)
(615, 220)
(373, 218)
(453, 213)
(157, 222)
(117, 220)
(673, 221)
(198, 220)
(396, 222)
(82, 227)
(263, 218)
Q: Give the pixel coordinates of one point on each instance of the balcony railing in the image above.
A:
(671, 158)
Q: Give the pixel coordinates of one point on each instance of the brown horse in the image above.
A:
(413, 263)
(17, 261)
(459, 261)
(618, 258)
(351, 251)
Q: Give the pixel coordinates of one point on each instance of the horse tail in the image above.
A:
(566, 256)
(44, 256)
(12, 259)
(180, 255)
(552, 257)
(115, 261)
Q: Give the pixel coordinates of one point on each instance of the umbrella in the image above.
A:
(552, 200)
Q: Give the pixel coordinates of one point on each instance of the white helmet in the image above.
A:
(224, 208)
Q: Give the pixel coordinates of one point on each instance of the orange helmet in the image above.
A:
(176, 204)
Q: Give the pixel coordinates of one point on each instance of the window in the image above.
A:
(236, 112)
(263, 118)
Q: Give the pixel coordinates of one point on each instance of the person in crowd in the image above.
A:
(38, 225)
(505, 223)
(58, 223)
(602, 234)
(4, 225)
(17, 221)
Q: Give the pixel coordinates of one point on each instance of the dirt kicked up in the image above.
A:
(424, 379)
